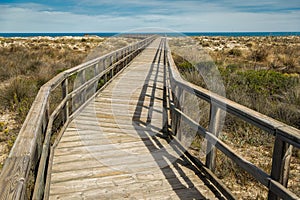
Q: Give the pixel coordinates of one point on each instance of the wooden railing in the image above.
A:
(27, 164)
(286, 136)
(134, 35)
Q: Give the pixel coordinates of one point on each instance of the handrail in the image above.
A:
(285, 136)
(30, 152)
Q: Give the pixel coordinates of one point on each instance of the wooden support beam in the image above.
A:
(64, 86)
(282, 153)
(214, 128)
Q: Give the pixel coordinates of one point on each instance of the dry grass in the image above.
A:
(279, 53)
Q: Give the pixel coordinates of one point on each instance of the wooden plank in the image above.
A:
(157, 188)
(129, 112)
(90, 135)
(113, 152)
(169, 174)
(81, 185)
(93, 155)
(117, 159)
(97, 148)
(128, 182)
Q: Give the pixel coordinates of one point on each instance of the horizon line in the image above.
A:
(166, 32)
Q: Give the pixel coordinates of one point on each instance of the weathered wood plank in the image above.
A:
(132, 181)
(118, 183)
(97, 148)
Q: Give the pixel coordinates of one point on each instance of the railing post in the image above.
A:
(122, 57)
(122, 54)
(286, 165)
(214, 128)
(104, 68)
(129, 56)
(180, 107)
(64, 86)
(96, 69)
(116, 60)
(111, 60)
(173, 115)
(130, 52)
(178, 99)
(82, 81)
(111, 63)
(280, 164)
(165, 102)
(96, 72)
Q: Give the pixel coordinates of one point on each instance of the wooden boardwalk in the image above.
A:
(114, 148)
(116, 135)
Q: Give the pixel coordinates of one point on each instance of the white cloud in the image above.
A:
(188, 16)
(14, 19)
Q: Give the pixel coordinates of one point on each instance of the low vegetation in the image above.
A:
(261, 73)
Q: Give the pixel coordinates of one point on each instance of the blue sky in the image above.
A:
(124, 15)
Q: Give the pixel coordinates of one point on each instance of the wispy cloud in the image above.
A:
(115, 15)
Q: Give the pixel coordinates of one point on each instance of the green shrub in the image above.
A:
(182, 64)
(272, 93)
(19, 95)
(264, 82)
(18, 90)
(232, 67)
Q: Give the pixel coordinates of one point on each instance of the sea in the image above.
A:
(227, 34)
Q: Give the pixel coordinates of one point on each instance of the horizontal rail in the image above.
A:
(30, 152)
(285, 135)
